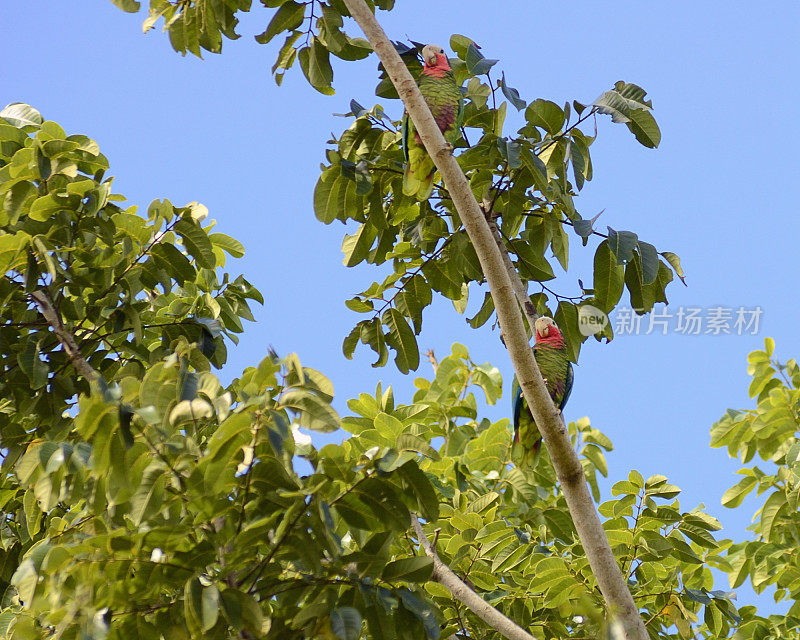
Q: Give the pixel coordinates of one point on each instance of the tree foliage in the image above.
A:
(162, 504)
(770, 432)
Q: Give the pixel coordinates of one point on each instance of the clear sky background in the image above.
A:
(719, 191)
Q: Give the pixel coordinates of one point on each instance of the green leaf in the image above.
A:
(624, 487)
(613, 104)
(642, 295)
(12, 254)
(401, 338)
(287, 18)
(209, 610)
(18, 200)
(566, 318)
(316, 65)
(643, 126)
(609, 277)
(346, 623)
(130, 6)
(683, 551)
(423, 611)
(192, 602)
(698, 535)
(459, 44)
(24, 580)
(773, 507)
(477, 64)
(625, 104)
(43, 208)
(20, 114)
(337, 197)
(31, 363)
(650, 261)
(622, 244)
(416, 295)
(414, 569)
(315, 412)
(242, 611)
(546, 115)
(232, 246)
(698, 595)
(338, 43)
(356, 247)
(418, 482)
(675, 263)
(408, 441)
(149, 497)
(484, 313)
(351, 340)
(197, 243)
(511, 93)
(286, 57)
(388, 426)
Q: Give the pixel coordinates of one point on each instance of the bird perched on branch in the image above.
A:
(438, 86)
(550, 351)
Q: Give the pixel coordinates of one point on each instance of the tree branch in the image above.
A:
(445, 576)
(548, 418)
(42, 300)
(520, 290)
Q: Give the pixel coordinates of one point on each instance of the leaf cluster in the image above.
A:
(201, 527)
(130, 289)
(768, 431)
(314, 31)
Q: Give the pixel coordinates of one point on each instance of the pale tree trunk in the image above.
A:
(619, 601)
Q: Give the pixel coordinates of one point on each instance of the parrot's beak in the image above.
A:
(431, 60)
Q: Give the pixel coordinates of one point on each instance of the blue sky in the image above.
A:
(718, 191)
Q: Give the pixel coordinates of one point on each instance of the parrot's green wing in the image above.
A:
(558, 374)
(445, 100)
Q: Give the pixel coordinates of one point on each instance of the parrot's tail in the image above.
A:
(418, 176)
(525, 457)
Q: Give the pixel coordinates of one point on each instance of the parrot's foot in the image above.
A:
(448, 148)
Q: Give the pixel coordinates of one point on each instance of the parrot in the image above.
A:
(443, 95)
(550, 352)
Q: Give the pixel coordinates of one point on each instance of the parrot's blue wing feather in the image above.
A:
(517, 404)
(404, 136)
(567, 386)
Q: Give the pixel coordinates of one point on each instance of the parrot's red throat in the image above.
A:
(553, 339)
(439, 69)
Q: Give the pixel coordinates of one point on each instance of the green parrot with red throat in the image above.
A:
(438, 86)
(550, 351)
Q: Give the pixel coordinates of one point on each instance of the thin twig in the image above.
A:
(410, 276)
(564, 133)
